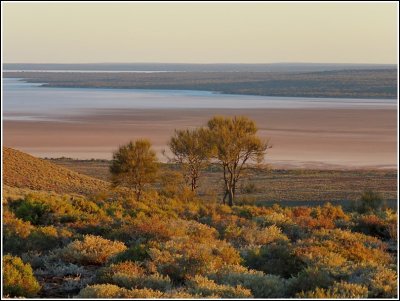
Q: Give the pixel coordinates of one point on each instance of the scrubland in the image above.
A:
(173, 244)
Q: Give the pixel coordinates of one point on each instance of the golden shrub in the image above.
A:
(92, 250)
(18, 279)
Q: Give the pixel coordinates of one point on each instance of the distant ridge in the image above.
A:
(25, 171)
(273, 67)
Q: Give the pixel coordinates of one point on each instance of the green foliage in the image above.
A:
(136, 252)
(18, 279)
(192, 151)
(277, 258)
(134, 165)
(32, 211)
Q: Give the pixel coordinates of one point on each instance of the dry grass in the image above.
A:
(25, 171)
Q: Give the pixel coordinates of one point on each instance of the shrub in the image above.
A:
(144, 228)
(15, 233)
(114, 291)
(356, 247)
(318, 217)
(260, 284)
(339, 290)
(372, 225)
(18, 279)
(33, 211)
(369, 202)
(92, 250)
(131, 275)
(137, 252)
(205, 287)
(45, 238)
(252, 235)
(381, 281)
(275, 258)
(309, 279)
(383, 284)
(183, 257)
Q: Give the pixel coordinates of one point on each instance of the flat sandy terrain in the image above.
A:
(311, 138)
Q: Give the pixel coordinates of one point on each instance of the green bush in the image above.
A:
(137, 252)
(309, 279)
(18, 279)
(275, 258)
(33, 211)
(369, 202)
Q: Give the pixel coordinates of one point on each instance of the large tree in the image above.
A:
(191, 151)
(134, 165)
(235, 143)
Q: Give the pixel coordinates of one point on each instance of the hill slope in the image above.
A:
(25, 171)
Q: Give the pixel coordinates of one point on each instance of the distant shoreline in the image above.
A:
(367, 84)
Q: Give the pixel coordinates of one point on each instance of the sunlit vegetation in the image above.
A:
(18, 279)
(23, 170)
(171, 242)
(165, 247)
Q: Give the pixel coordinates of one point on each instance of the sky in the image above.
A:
(199, 32)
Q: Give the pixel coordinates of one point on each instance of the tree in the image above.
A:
(235, 142)
(190, 149)
(134, 165)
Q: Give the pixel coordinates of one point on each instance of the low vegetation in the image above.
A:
(173, 243)
(159, 246)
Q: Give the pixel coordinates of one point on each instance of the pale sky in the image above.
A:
(200, 32)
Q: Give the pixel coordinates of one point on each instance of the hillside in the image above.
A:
(25, 171)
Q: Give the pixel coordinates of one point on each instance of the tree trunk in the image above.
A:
(231, 197)
(224, 198)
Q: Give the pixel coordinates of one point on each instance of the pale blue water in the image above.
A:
(22, 101)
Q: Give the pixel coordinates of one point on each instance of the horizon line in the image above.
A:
(180, 63)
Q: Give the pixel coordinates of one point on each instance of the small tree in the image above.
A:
(190, 149)
(134, 165)
(235, 143)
